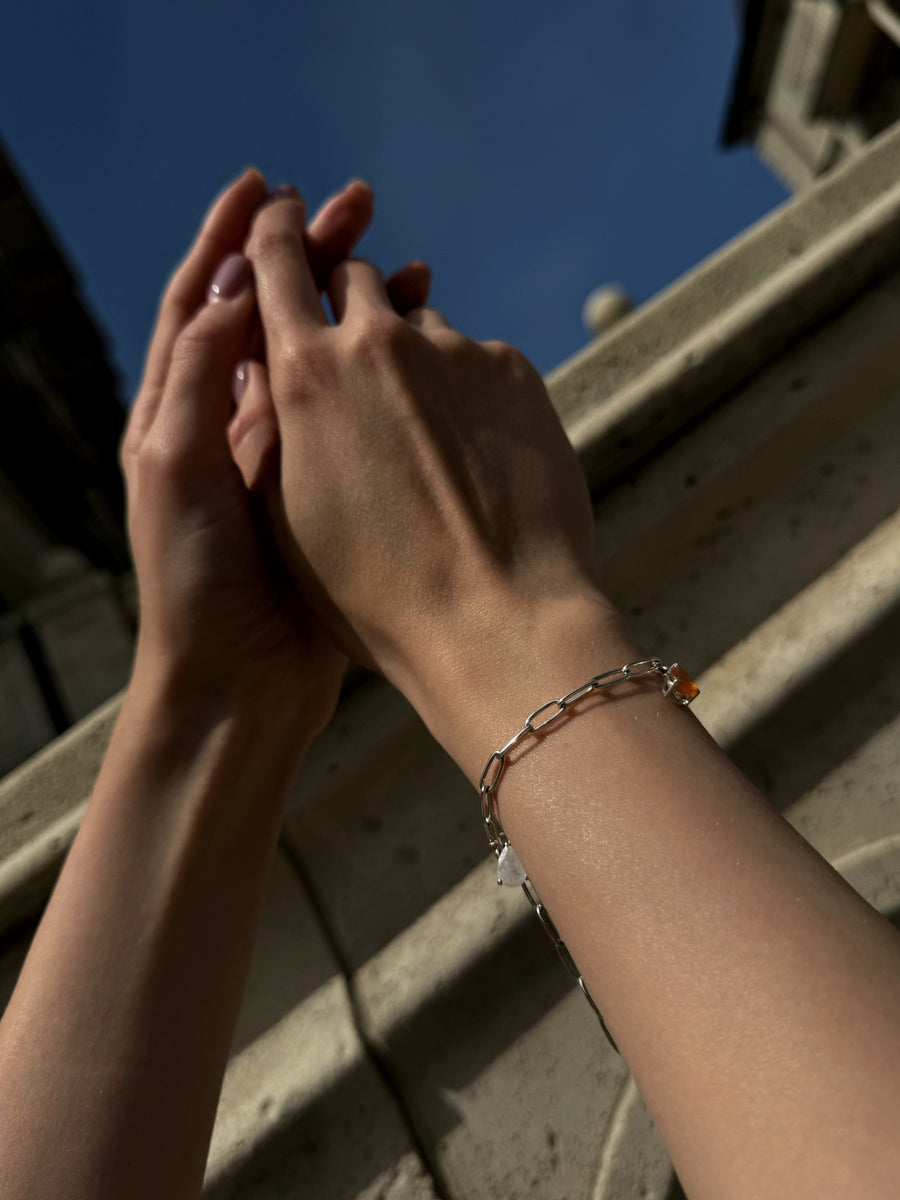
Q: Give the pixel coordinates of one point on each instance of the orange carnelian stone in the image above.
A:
(684, 686)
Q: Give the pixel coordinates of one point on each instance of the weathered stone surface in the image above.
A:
(28, 875)
(505, 1071)
(25, 725)
(367, 842)
(56, 781)
(634, 1164)
(873, 870)
(303, 1108)
(857, 802)
(728, 552)
(818, 679)
(87, 638)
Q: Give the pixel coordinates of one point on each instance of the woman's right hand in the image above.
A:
(436, 513)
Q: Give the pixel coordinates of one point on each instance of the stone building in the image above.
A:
(816, 80)
(408, 1031)
(64, 635)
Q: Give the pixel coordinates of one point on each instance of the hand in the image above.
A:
(217, 610)
(434, 504)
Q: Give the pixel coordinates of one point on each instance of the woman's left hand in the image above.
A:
(218, 614)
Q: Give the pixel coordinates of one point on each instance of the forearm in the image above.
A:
(754, 996)
(114, 1044)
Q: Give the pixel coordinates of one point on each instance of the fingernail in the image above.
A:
(285, 191)
(240, 382)
(359, 184)
(231, 278)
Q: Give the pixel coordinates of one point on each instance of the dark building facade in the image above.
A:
(62, 417)
(66, 595)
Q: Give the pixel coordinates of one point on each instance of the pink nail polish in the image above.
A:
(231, 278)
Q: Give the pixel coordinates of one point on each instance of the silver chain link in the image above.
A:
(673, 679)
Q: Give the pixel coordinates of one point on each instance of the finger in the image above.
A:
(428, 320)
(355, 288)
(196, 405)
(286, 291)
(332, 234)
(336, 229)
(255, 443)
(223, 232)
(253, 433)
(408, 288)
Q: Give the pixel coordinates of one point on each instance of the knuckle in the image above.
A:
(505, 354)
(165, 461)
(454, 344)
(379, 334)
(302, 362)
(179, 293)
(197, 340)
(513, 363)
(153, 461)
(298, 355)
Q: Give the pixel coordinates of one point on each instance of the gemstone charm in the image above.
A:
(681, 686)
(510, 871)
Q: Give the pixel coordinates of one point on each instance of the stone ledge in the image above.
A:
(710, 331)
(817, 626)
(55, 781)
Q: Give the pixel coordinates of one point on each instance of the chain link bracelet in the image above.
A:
(676, 684)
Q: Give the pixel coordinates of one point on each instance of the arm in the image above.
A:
(755, 997)
(114, 1045)
(115, 1041)
(753, 994)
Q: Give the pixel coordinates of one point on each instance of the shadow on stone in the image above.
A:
(824, 722)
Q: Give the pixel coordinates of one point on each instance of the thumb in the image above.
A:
(253, 433)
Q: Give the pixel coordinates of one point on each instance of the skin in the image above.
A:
(390, 490)
(114, 1044)
(439, 525)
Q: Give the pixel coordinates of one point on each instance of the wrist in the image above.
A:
(475, 690)
(269, 713)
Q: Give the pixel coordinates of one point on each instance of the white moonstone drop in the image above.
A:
(510, 871)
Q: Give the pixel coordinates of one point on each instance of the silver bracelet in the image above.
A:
(676, 684)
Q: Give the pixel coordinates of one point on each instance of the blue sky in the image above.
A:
(528, 151)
